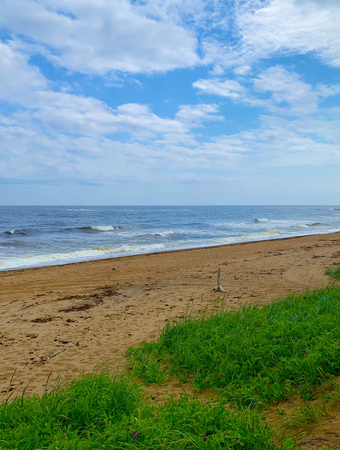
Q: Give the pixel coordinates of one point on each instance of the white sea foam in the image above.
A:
(299, 225)
(159, 233)
(260, 220)
(249, 237)
(103, 228)
(233, 225)
(81, 209)
(10, 232)
(165, 233)
(80, 255)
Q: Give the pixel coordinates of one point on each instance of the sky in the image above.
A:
(169, 102)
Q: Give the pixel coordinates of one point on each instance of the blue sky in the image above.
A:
(169, 102)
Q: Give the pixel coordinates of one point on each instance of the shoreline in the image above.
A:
(66, 319)
(165, 251)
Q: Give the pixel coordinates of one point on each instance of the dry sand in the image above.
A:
(67, 319)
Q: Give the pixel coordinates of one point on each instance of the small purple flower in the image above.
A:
(205, 437)
(134, 434)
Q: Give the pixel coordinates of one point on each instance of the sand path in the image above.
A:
(67, 319)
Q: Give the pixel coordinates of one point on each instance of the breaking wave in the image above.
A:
(102, 228)
(98, 228)
(81, 209)
(159, 234)
(88, 229)
(23, 232)
(80, 255)
(267, 234)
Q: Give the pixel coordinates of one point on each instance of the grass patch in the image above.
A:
(306, 415)
(254, 356)
(333, 397)
(101, 412)
(334, 273)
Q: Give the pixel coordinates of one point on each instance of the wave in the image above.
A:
(89, 228)
(13, 243)
(299, 225)
(76, 256)
(260, 220)
(233, 225)
(23, 232)
(249, 237)
(307, 225)
(159, 234)
(96, 228)
(81, 209)
(102, 228)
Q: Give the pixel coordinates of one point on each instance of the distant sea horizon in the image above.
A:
(34, 236)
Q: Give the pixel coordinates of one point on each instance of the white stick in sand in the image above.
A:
(219, 288)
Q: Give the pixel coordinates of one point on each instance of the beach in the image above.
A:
(67, 319)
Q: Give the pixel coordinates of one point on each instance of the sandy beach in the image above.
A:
(67, 319)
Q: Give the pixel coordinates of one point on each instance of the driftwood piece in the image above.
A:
(57, 353)
(219, 288)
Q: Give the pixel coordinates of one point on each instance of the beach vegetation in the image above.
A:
(253, 357)
(99, 411)
(305, 415)
(334, 272)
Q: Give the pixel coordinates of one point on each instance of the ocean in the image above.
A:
(32, 236)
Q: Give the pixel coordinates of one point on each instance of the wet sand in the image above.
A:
(67, 319)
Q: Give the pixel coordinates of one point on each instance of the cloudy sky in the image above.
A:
(169, 102)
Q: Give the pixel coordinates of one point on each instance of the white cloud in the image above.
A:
(34, 142)
(289, 94)
(242, 70)
(17, 77)
(227, 88)
(288, 25)
(67, 113)
(28, 152)
(280, 143)
(278, 27)
(196, 114)
(324, 90)
(287, 87)
(100, 36)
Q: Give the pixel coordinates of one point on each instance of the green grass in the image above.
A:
(101, 412)
(333, 396)
(254, 356)
(335, 273)
(304, 416)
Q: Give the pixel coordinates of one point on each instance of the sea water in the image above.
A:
(35, 236)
